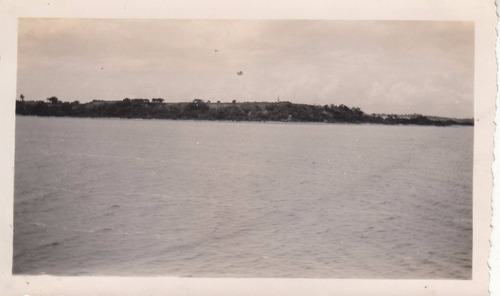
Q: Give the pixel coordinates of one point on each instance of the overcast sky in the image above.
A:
(382, 67)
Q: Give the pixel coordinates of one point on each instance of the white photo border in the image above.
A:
(481, 12)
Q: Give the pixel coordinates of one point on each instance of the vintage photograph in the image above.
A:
(244, 148)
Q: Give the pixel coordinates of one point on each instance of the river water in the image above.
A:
(241, 199)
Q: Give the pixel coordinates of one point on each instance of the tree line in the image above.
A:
(198, 109)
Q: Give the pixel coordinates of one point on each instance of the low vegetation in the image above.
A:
(235, 111)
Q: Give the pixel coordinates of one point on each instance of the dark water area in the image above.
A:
(242, 199)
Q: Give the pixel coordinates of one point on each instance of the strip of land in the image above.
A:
(235, 111)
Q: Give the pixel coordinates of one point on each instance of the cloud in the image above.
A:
(395, 66)
(432, 98)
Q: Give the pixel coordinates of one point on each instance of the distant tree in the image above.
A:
(344, 108)
(195, 108)
(157, 100)
(53, 100)
(140, 101)
(21, 97)
(234, 101)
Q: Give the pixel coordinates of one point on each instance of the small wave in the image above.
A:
(52, 244)
(37, 224)
(82, 230)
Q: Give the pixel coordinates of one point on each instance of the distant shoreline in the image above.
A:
(245, 121)
(235, 111)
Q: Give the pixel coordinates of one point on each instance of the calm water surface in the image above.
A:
(187, 198)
